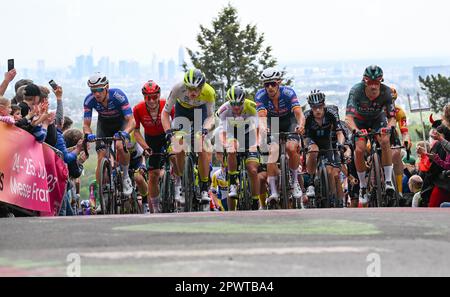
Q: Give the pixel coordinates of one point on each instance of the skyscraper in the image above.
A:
(180, 58)
(103, 65)
(79, 67)
(162, 70)
(171, 68)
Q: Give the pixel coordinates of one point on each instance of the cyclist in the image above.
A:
(321, 122)
(115, 118)
(237, 131)
(137, 166)
(280, 103)
(370, 106)
(148, 114)
(190, 97)
(400, 117)
(219, 187)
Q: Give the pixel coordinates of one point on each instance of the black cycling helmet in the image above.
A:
(316, 98)
(373, 72)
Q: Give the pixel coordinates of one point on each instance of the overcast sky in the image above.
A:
(57, 31)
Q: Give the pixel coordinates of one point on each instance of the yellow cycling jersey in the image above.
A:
(248, 116)
(180, 94)
(400, 116)
(219, 181)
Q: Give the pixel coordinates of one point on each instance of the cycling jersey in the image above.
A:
(363, 109)
(136, 151)
(117, 109)
(179, 94)
(152, 126)
(219, 181)
(288, 102)
(247, 119)
(330, 123)
(400, 116)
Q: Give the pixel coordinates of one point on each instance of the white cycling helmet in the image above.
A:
(97, 80)
(271, 74)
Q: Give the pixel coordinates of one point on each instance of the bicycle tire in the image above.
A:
(324, 187)
(245, 199)
(188, 183)
(284, 182)
(378, 184)
(106, 192)
(167, 199)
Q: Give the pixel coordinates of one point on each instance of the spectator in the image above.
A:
(51, 130)
(19, 87)
(436, 187)
(74, 140)
(15, 112)
(35, 116)
(408, 171)
(67, 124)
(20, 94)
(5, 111)
(415, 185)
(422, 149)
(9, 76)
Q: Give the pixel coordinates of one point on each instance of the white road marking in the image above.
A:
(230, 252)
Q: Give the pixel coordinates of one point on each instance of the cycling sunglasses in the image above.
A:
(193, 89)
(272, 84)
(371, 82)
(235, 103)
(97, 90)
(152, 96)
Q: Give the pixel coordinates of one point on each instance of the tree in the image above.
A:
(438, 90)
(230, 54)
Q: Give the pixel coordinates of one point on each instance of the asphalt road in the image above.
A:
(345, 242)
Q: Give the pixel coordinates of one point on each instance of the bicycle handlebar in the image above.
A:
(104, 139)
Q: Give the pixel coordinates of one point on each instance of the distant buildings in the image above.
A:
(180, 58)
(430, 70)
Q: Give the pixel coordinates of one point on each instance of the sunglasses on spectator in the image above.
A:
(152, 96)
(97, 90)
(272, 84)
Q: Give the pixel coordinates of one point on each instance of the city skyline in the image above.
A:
(297, 30)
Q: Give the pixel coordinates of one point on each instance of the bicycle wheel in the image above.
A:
(106, 191)
(115, 205)
(377, 180)
(188, 183)
(167, 192)
(135, 207)
(394, 201)
(324, 187)
(245, 196)
(284, 182)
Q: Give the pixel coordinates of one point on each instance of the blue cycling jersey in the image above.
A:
(287, 102)
(118, 106)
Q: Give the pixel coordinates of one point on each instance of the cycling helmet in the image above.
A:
(394, 93)
(316, 98)
(150, 87)
(271, 74)
(97, 80)
(373, 72)
(236, 95)
(194, 78)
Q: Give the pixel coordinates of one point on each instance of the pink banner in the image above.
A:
(32, 176)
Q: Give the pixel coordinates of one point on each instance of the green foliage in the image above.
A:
(438, 91)
(230, 53)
